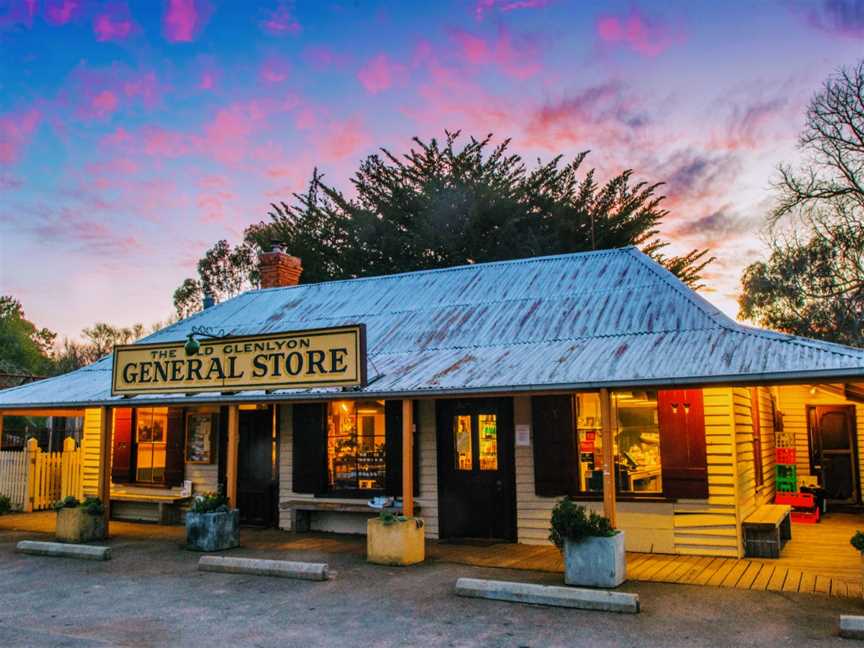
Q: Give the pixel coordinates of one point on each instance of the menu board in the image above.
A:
(199, 438)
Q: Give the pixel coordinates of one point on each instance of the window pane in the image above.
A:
(589, 442)
(637, 442)
(488, 440)
(151, 424)
(356, 445)
(462, 442)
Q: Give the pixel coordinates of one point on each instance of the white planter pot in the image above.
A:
(595, 562)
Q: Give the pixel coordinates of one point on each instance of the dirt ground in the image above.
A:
(151, 594)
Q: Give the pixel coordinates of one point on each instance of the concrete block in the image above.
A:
(62, 550)
(260, 567)
(570, 597)
(852, 626)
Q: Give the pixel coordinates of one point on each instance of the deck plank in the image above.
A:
(761, 581)
(793, 580)
(735, 573)
(777, 580)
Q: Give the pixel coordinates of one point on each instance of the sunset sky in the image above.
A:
(134, 134)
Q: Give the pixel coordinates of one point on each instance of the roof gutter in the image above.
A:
(732, 380)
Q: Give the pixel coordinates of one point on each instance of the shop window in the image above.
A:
(636, 436)
(151, 429)
(356, 456)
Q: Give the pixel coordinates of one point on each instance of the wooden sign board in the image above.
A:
(334, 357)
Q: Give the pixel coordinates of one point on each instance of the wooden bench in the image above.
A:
(301, 510)
(167, 507)
(766, 530)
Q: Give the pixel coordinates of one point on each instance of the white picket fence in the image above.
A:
(13, 477)
(33, 480)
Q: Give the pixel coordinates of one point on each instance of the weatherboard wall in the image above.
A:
(699, 527)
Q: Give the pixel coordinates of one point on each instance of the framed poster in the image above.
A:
(199, 438)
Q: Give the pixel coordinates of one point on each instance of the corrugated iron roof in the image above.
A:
(607, 318)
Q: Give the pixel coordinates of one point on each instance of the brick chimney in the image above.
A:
(278, 269)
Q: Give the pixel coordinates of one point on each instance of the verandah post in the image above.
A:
(32, 485)
(407, 458)
(233, 450)
(103, 488)
(608, 457)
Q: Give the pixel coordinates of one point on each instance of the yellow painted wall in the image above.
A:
(702, 527)
(90, 447)
(793, 401)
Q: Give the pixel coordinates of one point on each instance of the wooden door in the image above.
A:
(832, 450)
(256, 483)
(476, 484)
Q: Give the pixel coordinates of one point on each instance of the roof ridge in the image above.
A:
(464, 266)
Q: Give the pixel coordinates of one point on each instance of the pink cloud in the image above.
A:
(16, 130)
(98, 92)
(637, 31)
(379, 73)
(208, 81)
(114, 24)
(19, 12)
(104, 103)
(484, 6)
(597, 115)
(749, 125)
(321, 57)
(274, 70)
(159, 142)
(60, 12)
(116, 138)
(281, 20)
(184, 20)
(519, 62)
(344, 138)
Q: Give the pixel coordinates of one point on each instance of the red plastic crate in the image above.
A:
(806, 517)
(800, 500)
(785, 456)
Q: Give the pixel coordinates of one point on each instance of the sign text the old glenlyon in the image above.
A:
(334, 357)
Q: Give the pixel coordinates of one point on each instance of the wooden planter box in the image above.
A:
(77, 525)
(397, 543)
(213, 531)
(595, 562)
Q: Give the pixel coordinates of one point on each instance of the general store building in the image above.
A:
(482, 394)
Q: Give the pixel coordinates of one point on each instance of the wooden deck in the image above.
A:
(818, 560)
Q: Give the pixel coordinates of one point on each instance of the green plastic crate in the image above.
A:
(786, 486)
(786, 472)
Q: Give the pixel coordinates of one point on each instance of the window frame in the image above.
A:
(589, 495)
(136, 445)
(330, 490)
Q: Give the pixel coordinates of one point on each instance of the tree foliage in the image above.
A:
(24, 348)
(812, 282)
(223, 272)
(444, 203)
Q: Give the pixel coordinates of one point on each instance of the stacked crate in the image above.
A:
(786, 482)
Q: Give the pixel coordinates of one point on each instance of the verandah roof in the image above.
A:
(574, 321)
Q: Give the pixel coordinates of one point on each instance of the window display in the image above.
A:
(151, 425)
(356, 458)
(636, 435)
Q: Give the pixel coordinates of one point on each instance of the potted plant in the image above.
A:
(211, 525)
(395, 540)
(593, 550)
(80, 521)
(857, 541)
(5, 505)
